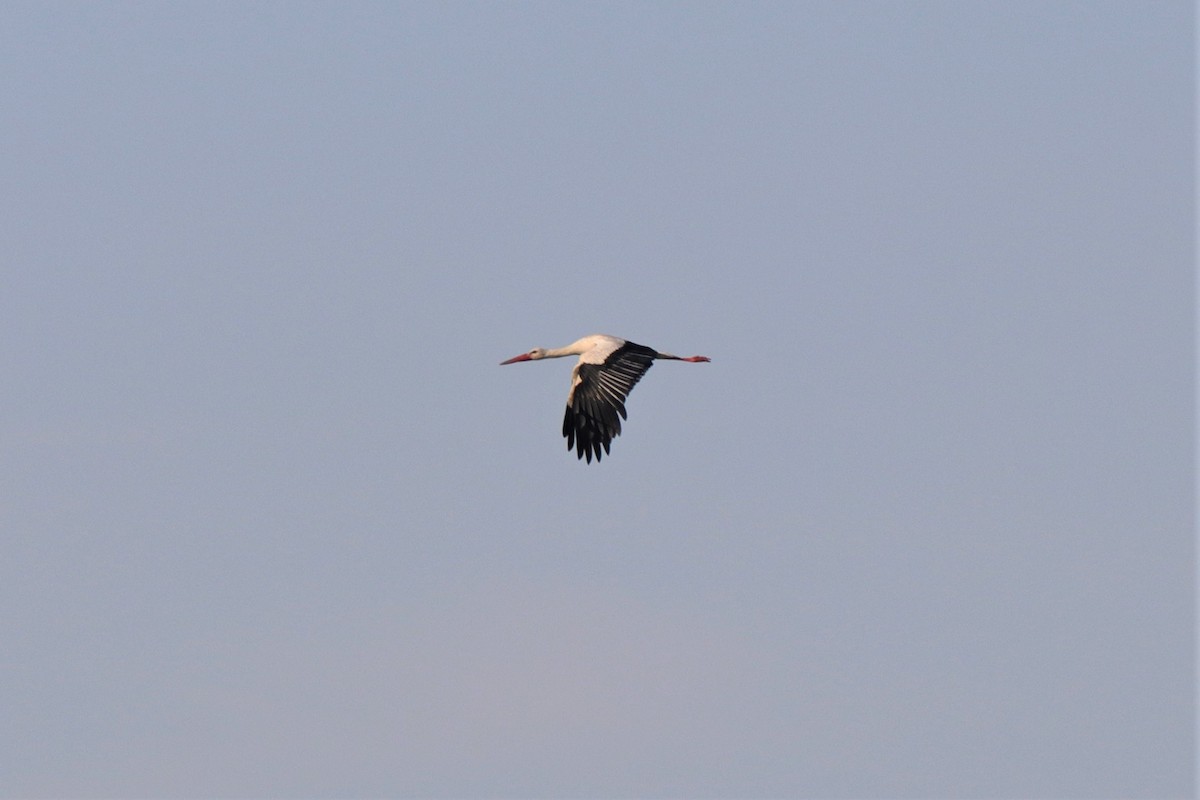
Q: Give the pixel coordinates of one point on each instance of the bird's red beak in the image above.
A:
(515, 359)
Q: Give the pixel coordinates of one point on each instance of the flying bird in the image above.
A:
(607, 370)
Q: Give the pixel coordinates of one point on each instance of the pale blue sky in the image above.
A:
(277, 525)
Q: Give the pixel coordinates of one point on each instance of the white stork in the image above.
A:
(607, 371)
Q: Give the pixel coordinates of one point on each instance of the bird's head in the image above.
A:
(532, 355)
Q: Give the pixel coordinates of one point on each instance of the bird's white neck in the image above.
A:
(581, 346)
(560, 352)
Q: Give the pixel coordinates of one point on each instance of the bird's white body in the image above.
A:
(596, 348)
(607, 370)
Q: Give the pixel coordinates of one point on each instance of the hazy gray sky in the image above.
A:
(276, 524)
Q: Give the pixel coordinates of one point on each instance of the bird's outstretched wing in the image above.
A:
(596, 404)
